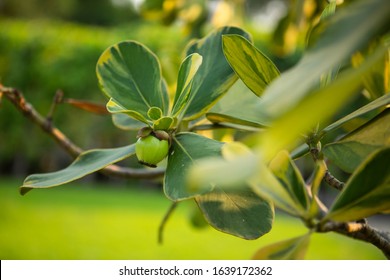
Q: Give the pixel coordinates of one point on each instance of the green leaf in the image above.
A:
(163, 123)
(239, 106)
(130, 74)
(291, 179)
(154, 113)
(377, 104)
(240, 213)
(114, 108)
(125, 122)
(86, 163)
(367, 192)
(187, 149)
(254, 68)
(353, 149)
(290, 249)
(343, 34)
(214, 77)
(187, 71)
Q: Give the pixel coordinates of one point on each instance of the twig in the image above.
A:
(359, 231)
(164, 221)
(18, 100)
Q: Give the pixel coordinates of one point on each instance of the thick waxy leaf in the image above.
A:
(154, 113)
(291, 179)
(187, 71)
(367, 192)
(254, 68)
(114, 108)
(214, 77)
(239, 106)
(187, 149)
(241, 213)
(343, 34)
(163, 123)
(370, 107)
(125, 122)
(87, 163)
(291, 249)
(352, 150)
(130, 74)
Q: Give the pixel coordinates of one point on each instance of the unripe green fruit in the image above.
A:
(150, 150)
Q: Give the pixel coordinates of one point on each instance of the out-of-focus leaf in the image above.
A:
(290, 249)
(254, 68)
(187, 149)
(353, 149)
(376, 82)
(291, 179)
(214, 77)
(87, 163)
(239, 106)
(240, 213)
(187, 71)
(377, 104)
(130, 74)
(367, 192)
(343, 34)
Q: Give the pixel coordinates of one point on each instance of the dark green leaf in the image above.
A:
(367, 192)
(130, 74)
(187, 149)
(241, 213)
(214, 77)
(353, 149)
(254, 68)
(87, 163)
(291, 249)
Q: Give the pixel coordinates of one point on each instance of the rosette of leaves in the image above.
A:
(130, 76)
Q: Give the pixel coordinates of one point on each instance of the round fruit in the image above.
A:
(150, 150)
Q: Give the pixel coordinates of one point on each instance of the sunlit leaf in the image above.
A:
(187, 71)
(87, 163)
(290, 249)
(241, 213)
(367, 192)
(342, 35)
(214, 77)
(349, 152)
(187, 149)
(254, 68)
(130, 74)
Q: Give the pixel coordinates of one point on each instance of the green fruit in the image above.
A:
(150, 150)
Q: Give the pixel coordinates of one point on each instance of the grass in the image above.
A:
(82, 221)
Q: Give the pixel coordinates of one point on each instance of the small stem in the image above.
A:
(165, 220)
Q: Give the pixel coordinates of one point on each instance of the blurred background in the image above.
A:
(51, 45)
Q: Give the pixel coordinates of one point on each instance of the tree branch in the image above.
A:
(19, 101)
(360, 231)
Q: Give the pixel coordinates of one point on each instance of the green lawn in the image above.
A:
(80, 221)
